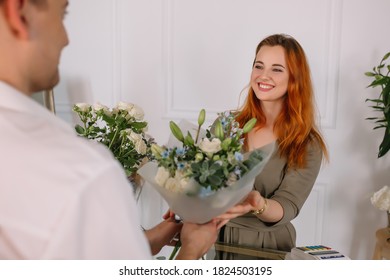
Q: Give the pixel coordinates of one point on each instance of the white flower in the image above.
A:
(137, 140)
(99, 107)
(173, 185)
(381, 199)
(136, 112)
(140, 147)
(210, 147)
(102, 108)
(178, 183)
(183, 180)
(134, 137)
(83, 107)
(161, 176)
(124, 106)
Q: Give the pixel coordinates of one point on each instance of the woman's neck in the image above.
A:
(271, 110)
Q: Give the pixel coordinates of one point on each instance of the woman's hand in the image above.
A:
(250, 203)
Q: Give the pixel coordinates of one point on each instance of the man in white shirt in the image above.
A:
(62, 197)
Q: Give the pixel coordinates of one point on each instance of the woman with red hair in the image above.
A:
(281, 97)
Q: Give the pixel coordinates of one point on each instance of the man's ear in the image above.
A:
(15, 16)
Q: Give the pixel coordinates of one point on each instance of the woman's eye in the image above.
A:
(258, 66)
(278, 70)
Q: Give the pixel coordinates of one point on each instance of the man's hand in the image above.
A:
(163, 234)
(197, 239)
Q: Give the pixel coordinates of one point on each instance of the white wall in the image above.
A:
(173, 57)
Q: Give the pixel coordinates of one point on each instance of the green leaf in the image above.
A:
(369, 74)
(377, 82)
(381, 121)
(379, 108)
(215, 180)
(138, 125)
(385, 145)
(195, 167)
(375, 100)
(79, 129)
(109, 120)
(386, 56)
(379, 126)
(386, 93)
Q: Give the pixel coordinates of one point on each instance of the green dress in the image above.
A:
(291, 189)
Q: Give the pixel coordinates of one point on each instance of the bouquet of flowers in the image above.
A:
(122, 129)
(203, 176)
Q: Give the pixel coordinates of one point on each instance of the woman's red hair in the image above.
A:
(295, 126)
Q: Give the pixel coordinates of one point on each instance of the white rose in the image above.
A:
(140, 147)
(210, 147)
(173, 184)
(137, 113)
(381, 199)
(183, 180)
(98, 107)
(124, 106)
(134, 137)
(101, 108)
(84, 107)
(161, 176)
(184, 183)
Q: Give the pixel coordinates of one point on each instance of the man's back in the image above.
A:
(58, 193)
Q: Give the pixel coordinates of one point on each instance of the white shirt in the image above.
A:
(61, 197)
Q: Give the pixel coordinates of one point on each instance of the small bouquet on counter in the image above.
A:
(122, 129)
(203, 176)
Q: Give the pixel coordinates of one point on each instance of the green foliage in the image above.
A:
(381, 104)
(214, 161)
(121, 129)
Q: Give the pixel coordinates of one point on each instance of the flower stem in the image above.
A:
(113, 138)
(197, 135)
(174, 252)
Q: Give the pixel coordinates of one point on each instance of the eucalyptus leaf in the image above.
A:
(215, 180)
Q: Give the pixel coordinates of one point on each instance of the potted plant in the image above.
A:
(380, 74)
